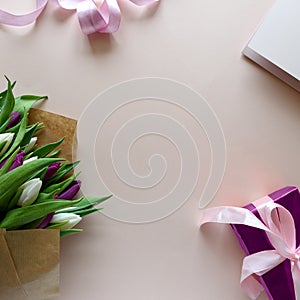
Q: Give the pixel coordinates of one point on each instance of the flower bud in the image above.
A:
(46, 221)
(7, 138)
(26, 161)
(31, 144)
(52, 169)
(15, 119)
(18, 160)
(30, 192)
(70, 192)
(72, 219)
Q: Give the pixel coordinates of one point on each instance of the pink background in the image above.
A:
(199, 43)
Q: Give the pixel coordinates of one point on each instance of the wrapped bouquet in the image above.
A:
(37, 191)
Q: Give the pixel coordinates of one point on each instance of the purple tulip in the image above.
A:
(52, 169)
(15, 119)
(46, 221)
(70, 192)
(18, 160)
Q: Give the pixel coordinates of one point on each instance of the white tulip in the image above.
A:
(26, 161)
(30, 192)
(66, 209)
(31, 144)
(72, 219)
(6, 137)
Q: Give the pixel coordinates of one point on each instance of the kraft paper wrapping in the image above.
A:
(56, 127)
(29, 259)
(29, 264)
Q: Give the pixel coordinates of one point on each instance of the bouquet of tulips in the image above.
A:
(37, 187)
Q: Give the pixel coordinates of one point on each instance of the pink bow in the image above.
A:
(92, 17)
(279, 226)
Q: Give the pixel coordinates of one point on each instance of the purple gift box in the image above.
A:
(278, 282)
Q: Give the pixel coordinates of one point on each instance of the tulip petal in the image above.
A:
(46, 221)
(5, 141)
(30, 192)
(51, 171)
(5, 165)
(15, 119)
(72, 220)
(19, 137)
(31, 144)
(64, 169)
(71, 191)
(18, 161)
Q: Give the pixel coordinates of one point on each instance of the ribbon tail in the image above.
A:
(24, 19)
(258, 263)
(296, 278)
(231, 215)
(69, 4)
(143, 2)
(252, 287)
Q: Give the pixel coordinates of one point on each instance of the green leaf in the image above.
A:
(9, 162)
(42, 197)
(12, 180)
(3, 94)
(2, 144)
(24, 103)
(13, 202)
(26, 214)
(39, 174)
(4, 125)
(57, 225)
(45, 150)
(32, 225)
(14, 129)
(8, 104)
(30, 130)
(54, 153)
(87, 211)
(18, 138)
(66, 232)
(61, 185)
(86, 203)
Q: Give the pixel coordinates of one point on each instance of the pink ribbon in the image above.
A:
(279, 226)
(104, 18)
(21, 20)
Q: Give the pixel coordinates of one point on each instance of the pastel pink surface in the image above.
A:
(198, 44)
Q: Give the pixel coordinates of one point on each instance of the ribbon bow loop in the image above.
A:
(279, 225)
(104, 17)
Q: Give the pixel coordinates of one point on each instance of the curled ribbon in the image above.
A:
(279, 226)
(93, 17)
